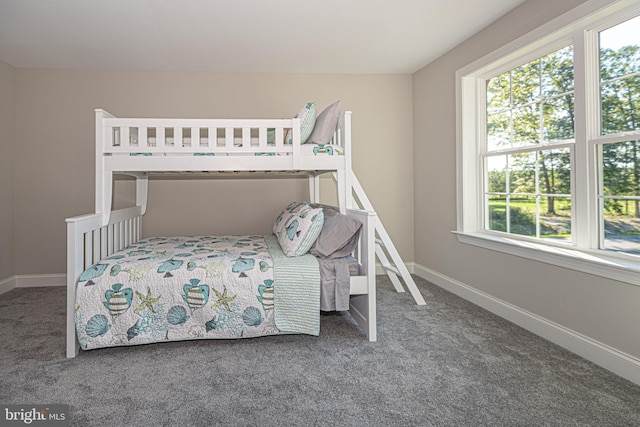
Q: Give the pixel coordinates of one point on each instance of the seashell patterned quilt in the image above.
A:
(182, 288)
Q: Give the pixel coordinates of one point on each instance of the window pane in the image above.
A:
(554, 175)
(530, 193)
(557, 119)
(557, 72)
(525, 83)
(555, 218)
(497, 220)
(620, 88)
(499, 93)
(526, 126)
(619, 54)
(621, 169)
(497, 174)
(532, 103)
(498, 133)
(621, 196)
(554, 172)
(522, 173)
(620, 101)
(522, 215)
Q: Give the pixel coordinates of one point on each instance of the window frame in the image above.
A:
(579, 27)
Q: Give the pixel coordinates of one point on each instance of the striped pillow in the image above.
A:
(307, 116)
(286, 215)
(300, 231)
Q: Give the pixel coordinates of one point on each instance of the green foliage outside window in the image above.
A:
(529, 188)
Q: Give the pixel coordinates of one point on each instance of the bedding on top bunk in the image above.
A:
(305, 150)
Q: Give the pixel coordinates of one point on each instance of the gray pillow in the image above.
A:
(339, 235)
(326, 124)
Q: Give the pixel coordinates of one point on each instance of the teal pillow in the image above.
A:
(307, 116)
(286, 214)
(271, 136)
(300, 230)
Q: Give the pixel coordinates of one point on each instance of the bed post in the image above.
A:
(75, 249)
(346, 147)
(363, 307)
(104, 177)
(342, 191)
(314, 188)
(343, 176)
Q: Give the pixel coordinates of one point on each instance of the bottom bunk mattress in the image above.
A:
(183, 288)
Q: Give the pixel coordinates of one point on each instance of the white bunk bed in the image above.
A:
(141, 147)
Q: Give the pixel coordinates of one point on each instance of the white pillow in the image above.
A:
(301, 230)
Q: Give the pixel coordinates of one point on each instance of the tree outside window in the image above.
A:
(530, 109)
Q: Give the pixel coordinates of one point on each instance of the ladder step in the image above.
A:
(384, 241)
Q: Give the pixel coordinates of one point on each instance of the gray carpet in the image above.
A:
(446, 363)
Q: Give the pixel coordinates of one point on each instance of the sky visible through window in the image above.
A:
(625, 34)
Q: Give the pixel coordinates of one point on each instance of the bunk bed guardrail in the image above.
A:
(88, 241)
(200, 136)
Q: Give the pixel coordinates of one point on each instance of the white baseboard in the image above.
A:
(32, 281)
(7, 284)
(614, 360)
(40, 280)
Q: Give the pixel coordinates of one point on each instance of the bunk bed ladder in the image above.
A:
(384, 245)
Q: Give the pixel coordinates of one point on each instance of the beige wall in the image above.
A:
(55, 147)
(605, 310)
(7, 135)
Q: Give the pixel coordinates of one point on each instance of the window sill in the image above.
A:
(585, 261)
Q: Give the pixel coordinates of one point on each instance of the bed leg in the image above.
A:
(75, 265)
(72, 341)
(72, 344)
(363, 309)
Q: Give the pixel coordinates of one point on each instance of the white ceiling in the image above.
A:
(293, 36)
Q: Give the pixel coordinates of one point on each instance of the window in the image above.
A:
(619, 155)
(528, 146)
(549, 143)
